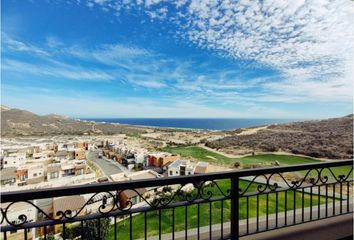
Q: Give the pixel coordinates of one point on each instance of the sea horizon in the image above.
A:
(196, 123)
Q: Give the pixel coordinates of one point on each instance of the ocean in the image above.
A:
(195, 123)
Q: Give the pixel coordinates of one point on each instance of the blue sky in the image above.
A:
(159, 58)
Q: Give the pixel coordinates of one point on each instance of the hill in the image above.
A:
(16, 122)
(331, 138)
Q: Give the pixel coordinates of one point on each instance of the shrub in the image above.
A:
(237, 164)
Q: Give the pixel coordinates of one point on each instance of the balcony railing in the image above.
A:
(225, 205)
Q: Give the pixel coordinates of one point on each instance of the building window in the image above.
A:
(54, 175)
(171, 173)
(23, 177)
(34, 174)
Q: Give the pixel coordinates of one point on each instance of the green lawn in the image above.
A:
(209, 156)
(166, 215)
(214, 158)
(263, 159)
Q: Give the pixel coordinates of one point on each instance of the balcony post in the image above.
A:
(234, 207)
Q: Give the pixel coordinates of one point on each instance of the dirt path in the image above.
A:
(250, 131)
(217, 168)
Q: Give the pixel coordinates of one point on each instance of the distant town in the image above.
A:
(46, 162)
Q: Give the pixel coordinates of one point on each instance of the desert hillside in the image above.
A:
(331, 138)
(16, 122)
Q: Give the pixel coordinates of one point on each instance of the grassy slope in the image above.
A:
(166, 215)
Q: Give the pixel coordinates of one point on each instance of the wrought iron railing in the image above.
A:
(224, 205)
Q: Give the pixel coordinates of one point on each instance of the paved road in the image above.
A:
(107, 166)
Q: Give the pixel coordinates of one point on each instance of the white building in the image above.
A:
(53, 171)
(185, 167)
(91, 146)
(139, 157)
(14, 160)
(180, 168)
(62, 147)
(35, 171)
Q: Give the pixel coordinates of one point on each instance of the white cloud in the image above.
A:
(11, 44)
(310, 42)
(57, 70)
(150, 84)
(54, 42)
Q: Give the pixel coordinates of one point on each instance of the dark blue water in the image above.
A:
(196, 123)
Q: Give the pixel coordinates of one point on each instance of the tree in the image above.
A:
(96, 229)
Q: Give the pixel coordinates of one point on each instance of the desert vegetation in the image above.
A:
(332, 139)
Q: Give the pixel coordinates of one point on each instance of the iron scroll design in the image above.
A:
(114, 201)
(312, 177)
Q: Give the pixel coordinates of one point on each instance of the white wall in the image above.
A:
(11, 161)
(35, 171)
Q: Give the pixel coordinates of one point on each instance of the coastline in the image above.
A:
(190, 124)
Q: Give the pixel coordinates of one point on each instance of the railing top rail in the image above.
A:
(15, 196)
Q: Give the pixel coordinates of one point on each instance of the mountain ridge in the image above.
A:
(18, 122)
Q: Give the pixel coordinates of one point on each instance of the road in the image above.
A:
(107, 166)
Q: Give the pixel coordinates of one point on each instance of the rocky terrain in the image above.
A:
(332, 139)
(16, 122)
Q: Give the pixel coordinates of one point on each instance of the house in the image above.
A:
(117, 157)
(91, 146)
(180, 168)
(140, 157)
(71, 154)
(80, 167)
(68, 169)
(43, 154)
(81, 145)
(49, 154)
(72, 203)
(52, 147)
(158, 160)
(22, 175)
(39, 155)
(61, 155)
(13, 160)
(134, 197)
(80, 154)
(185, 167)
(8, 176)
(99, 144)
(35, 174)
(62, 147)
(71, 146)
(53, 171)
(202, 167)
